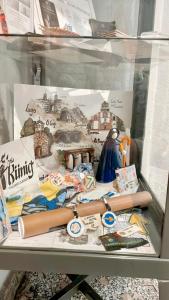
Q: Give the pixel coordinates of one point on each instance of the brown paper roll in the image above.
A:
(40, 223)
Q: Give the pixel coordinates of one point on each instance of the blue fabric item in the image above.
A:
(109, 161)
(49, 204)
(37, 199)
(52, 204)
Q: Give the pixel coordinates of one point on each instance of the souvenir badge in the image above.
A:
(75, 227)
(109, 218)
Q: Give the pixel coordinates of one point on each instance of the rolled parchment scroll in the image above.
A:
(43, 222)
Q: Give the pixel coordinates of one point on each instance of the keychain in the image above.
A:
(75, 227)
(108, 218)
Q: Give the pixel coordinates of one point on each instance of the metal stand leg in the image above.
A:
(86, 289)
(78, 283)
(163, 290)
(70, 289)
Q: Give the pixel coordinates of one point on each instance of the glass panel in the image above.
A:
(91, 85)
(155, 164)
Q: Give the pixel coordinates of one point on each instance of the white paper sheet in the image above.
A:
(19, 16)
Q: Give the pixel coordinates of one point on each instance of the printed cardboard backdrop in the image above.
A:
(82, 115)
(66, 118)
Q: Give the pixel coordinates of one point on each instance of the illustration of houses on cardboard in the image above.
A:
(105, 119)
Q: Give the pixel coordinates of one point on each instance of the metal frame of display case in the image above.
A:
(95, 264)
(75, 262)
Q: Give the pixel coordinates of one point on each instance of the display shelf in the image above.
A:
(51, 241)
(42, 253)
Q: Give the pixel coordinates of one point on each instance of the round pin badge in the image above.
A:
(75, 227)
(109, 219)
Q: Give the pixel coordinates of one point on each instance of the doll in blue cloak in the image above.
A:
(110, 159)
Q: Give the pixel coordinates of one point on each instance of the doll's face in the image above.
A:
(114, 135)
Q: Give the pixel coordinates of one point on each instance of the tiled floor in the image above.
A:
(40, 286)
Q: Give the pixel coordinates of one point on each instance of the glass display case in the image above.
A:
(69, 92)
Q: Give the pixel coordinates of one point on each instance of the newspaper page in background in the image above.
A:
(19, 16)
(71, 15)
(44, 15)
(74, 15)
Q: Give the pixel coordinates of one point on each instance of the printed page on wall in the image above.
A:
(68, 17)
(16, 16)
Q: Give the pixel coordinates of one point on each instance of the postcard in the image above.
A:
(127, 180)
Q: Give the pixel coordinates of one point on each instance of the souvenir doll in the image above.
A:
(110, 158)
(124, 144)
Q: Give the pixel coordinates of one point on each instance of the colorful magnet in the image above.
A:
(109, 219)
(75, 227)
